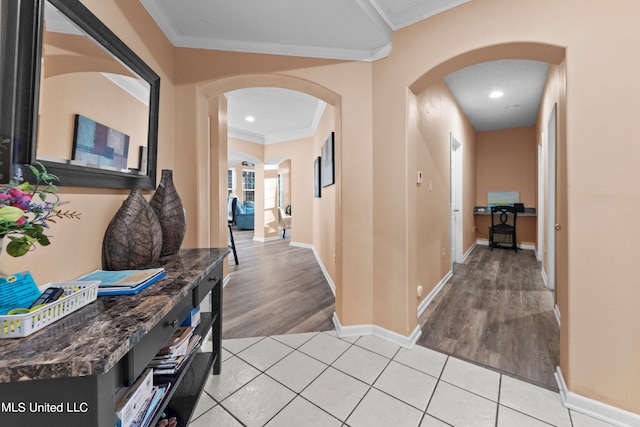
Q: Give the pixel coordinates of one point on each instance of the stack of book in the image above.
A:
(178, 349)
(124, 282)
(138, 402)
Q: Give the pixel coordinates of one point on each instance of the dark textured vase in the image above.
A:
(133, 239)
(168, 207)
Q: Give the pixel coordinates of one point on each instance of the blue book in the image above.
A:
(126, 290)
(122, 278)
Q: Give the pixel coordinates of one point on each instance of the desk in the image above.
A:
(526, 225)
(78, 363)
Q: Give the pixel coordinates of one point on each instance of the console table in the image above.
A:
(68, 373)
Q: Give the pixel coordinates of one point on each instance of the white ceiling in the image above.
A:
(358, 30)
(336, 29)
(522, 83)
(280, 114)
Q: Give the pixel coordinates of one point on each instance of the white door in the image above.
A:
(551, 201)
(455, 226)
(541, 202)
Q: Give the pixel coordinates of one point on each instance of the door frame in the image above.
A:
(456, 201)
(552, 133)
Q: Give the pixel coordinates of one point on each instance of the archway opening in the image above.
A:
(437, 115)
(299, 167)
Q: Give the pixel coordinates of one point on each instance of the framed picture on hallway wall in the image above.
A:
(316, 177)
(328, 175)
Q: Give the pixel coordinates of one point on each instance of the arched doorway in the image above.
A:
(434, 205)
(211, 141)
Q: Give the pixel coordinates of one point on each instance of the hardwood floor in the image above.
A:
(496, 311)
(275, 289)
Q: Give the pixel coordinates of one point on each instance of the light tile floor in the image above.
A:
(317, 379)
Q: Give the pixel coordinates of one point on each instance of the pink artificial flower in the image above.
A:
(4, 196)
(21, 221)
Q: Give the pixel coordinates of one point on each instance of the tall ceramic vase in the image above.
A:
(168, 207)
(133, 239)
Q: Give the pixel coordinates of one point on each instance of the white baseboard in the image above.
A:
(425, 302)
(545, 279)
(521, 246)
(377, 331)
(302, 245)
(322, 267)
(466, 255)
(226, 281)
(266, 239)
(556, 311)
(593, 408)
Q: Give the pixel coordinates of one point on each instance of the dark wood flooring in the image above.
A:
(275, 289)
(495, 311)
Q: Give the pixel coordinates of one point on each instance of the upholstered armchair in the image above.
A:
(284, 220)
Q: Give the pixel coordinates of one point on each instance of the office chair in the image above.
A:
(503, 223)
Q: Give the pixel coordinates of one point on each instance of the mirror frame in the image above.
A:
(23, 125)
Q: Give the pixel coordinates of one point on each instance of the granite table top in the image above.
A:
(93, 339)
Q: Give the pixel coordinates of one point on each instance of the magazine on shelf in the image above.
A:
(168, 365)
(151, 405)
(177, 340)
(133, 400)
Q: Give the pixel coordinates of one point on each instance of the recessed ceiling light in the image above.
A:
(496, 94)
(250, 119)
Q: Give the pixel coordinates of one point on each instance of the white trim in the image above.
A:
(226, 280)
(377, 331)
(556, 311)
(466, 254)
(136, 87)
(322, 267)
(544, 278)
(325, 272)
(482, 242)
(266, 239)
(593, 408)
(245, 135)
(409, 13)
(425, 302)
(302, 245)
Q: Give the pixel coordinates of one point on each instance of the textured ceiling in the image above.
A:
(280, 114)
(336, 29)
(522, 83)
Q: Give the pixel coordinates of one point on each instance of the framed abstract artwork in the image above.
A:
(317, 189)
(328, 174)
(98, 144)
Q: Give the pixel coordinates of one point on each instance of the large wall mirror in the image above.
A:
(93, 101)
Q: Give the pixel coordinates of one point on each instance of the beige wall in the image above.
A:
(598, 355)
(313, 220)
(507, 162)
(300, 154)
(62, 99)
(324, 207)
(284, 169)
(435, 117)
(375, 263)
(81, 240)
(555, 97)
